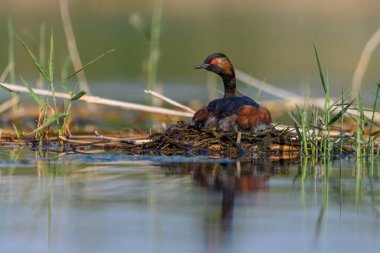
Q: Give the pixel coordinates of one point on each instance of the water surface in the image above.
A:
(118, 203)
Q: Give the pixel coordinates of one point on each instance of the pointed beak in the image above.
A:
(202, 66)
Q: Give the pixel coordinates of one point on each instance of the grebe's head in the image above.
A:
(218, 63)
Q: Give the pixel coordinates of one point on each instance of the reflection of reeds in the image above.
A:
(329, 185)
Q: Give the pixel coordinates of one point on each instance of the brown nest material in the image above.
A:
(182, 139)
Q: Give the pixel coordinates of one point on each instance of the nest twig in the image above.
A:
(180, 139)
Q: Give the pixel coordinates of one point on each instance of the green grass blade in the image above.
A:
(374, 107)
(51, 58)
(17, 132)
(88, 64)
(39, 66)
(297, 125)
(78, 95)
(7, 89)
(361, 112)
(338, 102)
(341, 126)
(340, 114)
(31, 92)
(321, 74)
(51, 69)
(299, 112)
(49, 121)
(294, 120)
(360, 140)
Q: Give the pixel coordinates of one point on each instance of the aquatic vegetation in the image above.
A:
(47, 119)
(152, 35)
(317, 131)
(11, 58)
(52, 118)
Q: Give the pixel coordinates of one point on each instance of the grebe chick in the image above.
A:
(234, 111)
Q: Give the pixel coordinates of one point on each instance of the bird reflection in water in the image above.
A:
(231, 179)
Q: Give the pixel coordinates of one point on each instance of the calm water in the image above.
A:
(116, 203)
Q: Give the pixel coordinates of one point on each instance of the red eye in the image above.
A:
(213, 62)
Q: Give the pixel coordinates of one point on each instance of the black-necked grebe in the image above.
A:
(234, 111)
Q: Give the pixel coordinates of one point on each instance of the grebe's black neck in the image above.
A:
(229, 81)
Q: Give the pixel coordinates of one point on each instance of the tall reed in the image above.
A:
(152, 35)
(314, 130)
(11, 58)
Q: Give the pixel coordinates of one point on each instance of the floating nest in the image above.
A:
(178, 139)
(182, 139)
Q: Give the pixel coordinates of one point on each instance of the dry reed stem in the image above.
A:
(75, 141)
(6, 71)
(365, 57)
(102, 137)
(238, 169)
(294, 99)
(238, 139)
(169, 100)
(266, 87)
(15, 99)
(9, 103)
(103, 101)
(71, 44)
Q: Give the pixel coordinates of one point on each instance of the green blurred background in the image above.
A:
(272, 40)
